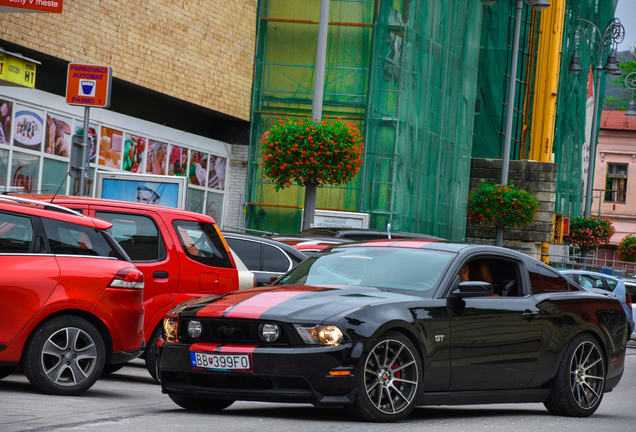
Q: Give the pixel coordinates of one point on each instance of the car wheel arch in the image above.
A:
(404, 328)
(99, 324)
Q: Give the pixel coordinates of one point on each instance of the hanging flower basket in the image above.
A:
(627, 249)
(495, 204)
(311, 152)
(587, 233)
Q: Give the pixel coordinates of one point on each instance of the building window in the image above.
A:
(616, 183)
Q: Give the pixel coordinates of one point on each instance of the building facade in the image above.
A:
(180, 100)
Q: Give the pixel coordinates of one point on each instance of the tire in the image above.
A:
(197, 404)
(389, 380)
(112, 368)
(150, 355)
(577, 389)
(5, 371)
(64, 356)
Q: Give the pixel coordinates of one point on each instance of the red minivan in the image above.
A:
(72, 301)
(182, 255)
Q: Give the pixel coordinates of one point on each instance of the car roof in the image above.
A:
(67, 200)
(287, 248)
(360, 233)
(588, 272)
(52, 211)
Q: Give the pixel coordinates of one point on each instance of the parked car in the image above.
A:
(358, 234)
(590, 279)
(630, 286)
(72, 301)
(245, 276)
(182, 255)
(381, 327)
(264, 257)
(308, 245)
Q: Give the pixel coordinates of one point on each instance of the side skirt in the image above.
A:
(484, 397)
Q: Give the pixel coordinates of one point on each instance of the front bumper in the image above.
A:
(278, 375)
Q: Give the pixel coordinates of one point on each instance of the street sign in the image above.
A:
(88, 85)
(54, 6)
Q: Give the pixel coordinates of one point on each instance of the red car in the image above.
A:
(182, 255)
(72, 302)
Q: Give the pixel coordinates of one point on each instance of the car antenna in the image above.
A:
(59, 187)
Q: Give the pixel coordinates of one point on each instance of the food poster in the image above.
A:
(92, 136)
(178, 161)
(134, 155)
(157, 157)
(57, 135)
(6, 111)
(198, 171)
(28, 128)
(110, 147)
(216, 178)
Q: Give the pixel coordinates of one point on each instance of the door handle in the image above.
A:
(530, 315)
(160, 275)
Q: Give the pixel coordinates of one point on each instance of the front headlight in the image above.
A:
(329, 335)
(171, 329)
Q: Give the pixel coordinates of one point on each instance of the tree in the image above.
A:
(620, 102)
(311, 153)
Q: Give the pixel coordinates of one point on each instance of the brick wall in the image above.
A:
(234, 216)
(538, 177)
(200, 51)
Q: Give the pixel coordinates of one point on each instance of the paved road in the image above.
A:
(129, 400)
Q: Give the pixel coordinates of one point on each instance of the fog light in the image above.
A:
(269, 332)
(194, 329)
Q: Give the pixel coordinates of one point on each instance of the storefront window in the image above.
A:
(25, 170)
(76, 184)
(214, 207)
(4, 157)
(195, 200)
(54, 178)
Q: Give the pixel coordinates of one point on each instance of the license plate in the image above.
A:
(221, 361)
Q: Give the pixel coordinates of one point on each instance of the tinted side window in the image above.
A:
(274, 260)
(137, 235)
(248, 251)
(202, 243)
(545, 280)
(16, 233)
(71, 239)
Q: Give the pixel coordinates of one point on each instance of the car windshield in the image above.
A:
(381, 267)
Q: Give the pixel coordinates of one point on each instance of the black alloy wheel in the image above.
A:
(578, 387)
(389, 380)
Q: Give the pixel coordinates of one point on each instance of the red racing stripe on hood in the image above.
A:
(219, 307)
(254, 307)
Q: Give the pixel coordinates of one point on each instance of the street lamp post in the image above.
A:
(538, 5)
(612, 35)
(630, 83)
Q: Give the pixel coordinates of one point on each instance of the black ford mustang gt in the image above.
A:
(380, 327)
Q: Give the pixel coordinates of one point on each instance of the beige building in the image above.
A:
(615, 173)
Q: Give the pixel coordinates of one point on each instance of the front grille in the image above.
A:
(244, 332)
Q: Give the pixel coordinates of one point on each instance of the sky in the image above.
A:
(626, 13)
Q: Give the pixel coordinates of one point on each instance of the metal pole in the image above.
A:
(85, 154)
(592, 156)
(316, 105)
(511, 105)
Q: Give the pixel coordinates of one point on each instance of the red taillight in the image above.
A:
(128, 278)
(628, 299)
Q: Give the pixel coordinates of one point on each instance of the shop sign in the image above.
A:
(54, 6)
(88, 85)
(16, 70)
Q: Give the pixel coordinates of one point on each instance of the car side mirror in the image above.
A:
(473, 289)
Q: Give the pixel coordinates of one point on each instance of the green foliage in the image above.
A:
(627, 249)
(591, 232)
(494, 204)
(311, 152)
